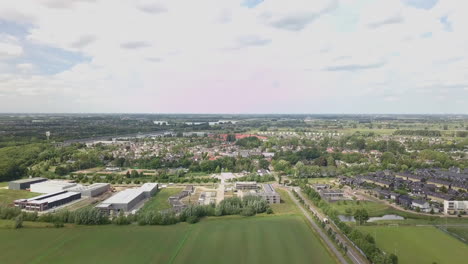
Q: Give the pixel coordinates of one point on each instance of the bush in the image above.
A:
(18, 222)
(269, 210)
(58, 224)
(247, 211)
(192, 219)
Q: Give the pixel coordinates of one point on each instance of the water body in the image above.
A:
(345, 218)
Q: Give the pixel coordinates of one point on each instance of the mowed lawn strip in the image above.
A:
(269, 240)
(278, 239)
(418, 244)
(287, 206)
(160, 200)
(373, 208)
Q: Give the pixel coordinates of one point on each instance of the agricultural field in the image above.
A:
(418, 244)
(459, 231)
(263, 239)
(160, 200)
(9, 196)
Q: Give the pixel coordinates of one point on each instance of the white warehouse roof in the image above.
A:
(81, 188)
(51, 186)
(147, 187)
(123, 197)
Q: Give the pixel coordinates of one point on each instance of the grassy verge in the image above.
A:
(415, 244)
(9, 196)
(160, 200)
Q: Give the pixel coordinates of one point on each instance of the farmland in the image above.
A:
(276, 239)
(418, 244)
(459, 231)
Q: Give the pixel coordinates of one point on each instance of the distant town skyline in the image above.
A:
(234, 56)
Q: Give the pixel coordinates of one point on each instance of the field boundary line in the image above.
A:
(181, 244)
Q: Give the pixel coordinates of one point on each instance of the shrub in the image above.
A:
(247, 211)
(18, 222)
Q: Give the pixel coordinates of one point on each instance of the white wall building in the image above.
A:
(455, 207)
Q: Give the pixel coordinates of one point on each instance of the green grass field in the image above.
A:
(418, 244)
(286, 206)
(460, 231)
(3, 184)
(373, 208)
(9, 196)
(272, 239)
(160, 200)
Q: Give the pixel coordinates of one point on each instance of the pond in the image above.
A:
(346, 218)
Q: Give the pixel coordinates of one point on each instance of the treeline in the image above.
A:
(365, 242)
(423, 133)
(233, 164)
(247, 206)
(85, 216)
(255, 177)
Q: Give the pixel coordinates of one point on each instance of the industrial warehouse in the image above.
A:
(51, 186)
(47, 201)
(92, 190)
(24, 184)
(127, 199)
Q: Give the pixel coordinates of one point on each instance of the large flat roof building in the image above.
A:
(24, 183)
(127, 199)
(51, 186)
(246, 185)
(92, 190)
(47, 201)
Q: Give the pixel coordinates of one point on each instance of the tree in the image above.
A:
(134, 174)
(361, 216)
(393, 259)
(348, 212)
(231, 138)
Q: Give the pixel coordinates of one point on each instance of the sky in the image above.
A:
(234, 56)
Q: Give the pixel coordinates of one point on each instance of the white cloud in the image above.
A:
(10, 50)
(207, 55)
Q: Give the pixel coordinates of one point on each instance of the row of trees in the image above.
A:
(85, 216)
(364, 241)
(247, 206)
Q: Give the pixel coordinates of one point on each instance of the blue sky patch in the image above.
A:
(422, 4)
(251, 3)
(46, 59)
(446, 23)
